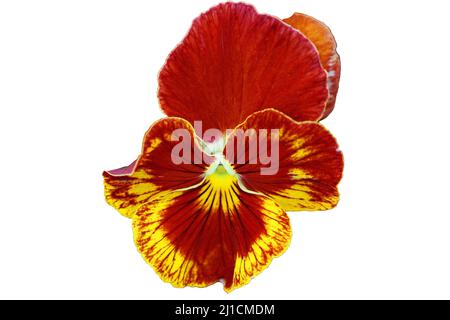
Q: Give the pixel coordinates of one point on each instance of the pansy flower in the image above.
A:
(217, 213)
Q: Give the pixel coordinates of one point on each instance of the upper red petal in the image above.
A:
(234, 62)
(321, 36)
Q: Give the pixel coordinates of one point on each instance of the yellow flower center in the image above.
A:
(221, 166)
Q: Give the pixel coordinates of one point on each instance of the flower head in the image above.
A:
(213, 208)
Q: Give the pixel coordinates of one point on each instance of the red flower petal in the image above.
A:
(310, 163)
(128, 188)
(323, 39)
(214, 232)
(234, 62)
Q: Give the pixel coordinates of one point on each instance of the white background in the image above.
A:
(78, 91)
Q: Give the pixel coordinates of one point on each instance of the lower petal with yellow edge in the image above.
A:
(210, 233)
